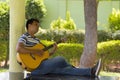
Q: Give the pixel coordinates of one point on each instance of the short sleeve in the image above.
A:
(22, 39)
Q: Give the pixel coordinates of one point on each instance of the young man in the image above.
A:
(56, 65)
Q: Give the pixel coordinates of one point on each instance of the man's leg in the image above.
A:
(73, 71)
(50, 65)
(69, 70)
(59, 66)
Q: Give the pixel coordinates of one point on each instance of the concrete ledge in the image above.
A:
(59, 77)
(68, 77)
(5, 76)
(16, 75)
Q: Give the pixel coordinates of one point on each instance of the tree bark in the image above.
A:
(90, 45)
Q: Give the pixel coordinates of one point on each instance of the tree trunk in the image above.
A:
(90, 45)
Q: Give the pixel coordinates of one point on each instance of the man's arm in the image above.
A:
(54, 49)
(20, 48)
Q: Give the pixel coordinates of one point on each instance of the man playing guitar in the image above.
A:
(56, 65)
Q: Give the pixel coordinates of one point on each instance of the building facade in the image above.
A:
(58, 8)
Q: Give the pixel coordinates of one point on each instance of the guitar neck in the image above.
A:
(50, 46)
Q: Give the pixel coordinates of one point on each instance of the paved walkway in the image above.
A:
(5, 76)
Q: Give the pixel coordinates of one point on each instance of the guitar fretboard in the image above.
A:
(50, 46)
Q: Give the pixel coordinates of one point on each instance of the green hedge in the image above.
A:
(73, 36)
(116, 35)
(4, 20)
(104, 36)
(109, 51)
(69, 51)
(3, 51)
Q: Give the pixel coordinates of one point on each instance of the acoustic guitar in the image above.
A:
(30, 61)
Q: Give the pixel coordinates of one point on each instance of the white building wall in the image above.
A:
(57, 8)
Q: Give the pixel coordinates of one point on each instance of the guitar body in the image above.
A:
(30, 61)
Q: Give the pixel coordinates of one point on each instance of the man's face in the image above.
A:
(34, 27)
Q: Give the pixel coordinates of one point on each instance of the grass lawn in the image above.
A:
(103, 73)
(3, 69)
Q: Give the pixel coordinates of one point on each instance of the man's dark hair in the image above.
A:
(30, 21)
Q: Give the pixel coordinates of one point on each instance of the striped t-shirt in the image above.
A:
(28, 40)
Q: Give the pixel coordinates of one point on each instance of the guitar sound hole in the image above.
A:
(32, 56)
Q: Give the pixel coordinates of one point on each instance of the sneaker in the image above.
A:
(96, 69)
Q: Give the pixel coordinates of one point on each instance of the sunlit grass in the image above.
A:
(103, 73)
(3, 69)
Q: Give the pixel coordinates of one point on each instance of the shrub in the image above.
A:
(3, 51)
(44, 34)
(109, 51)
(4, 20)
(69, 51)
(4, 29)
(104, 36)
(74, 36)
(114, 20)
(35, 9)
(63, 24)
(116, 35)
(107, 36)
(69, 23)
(57, 24)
